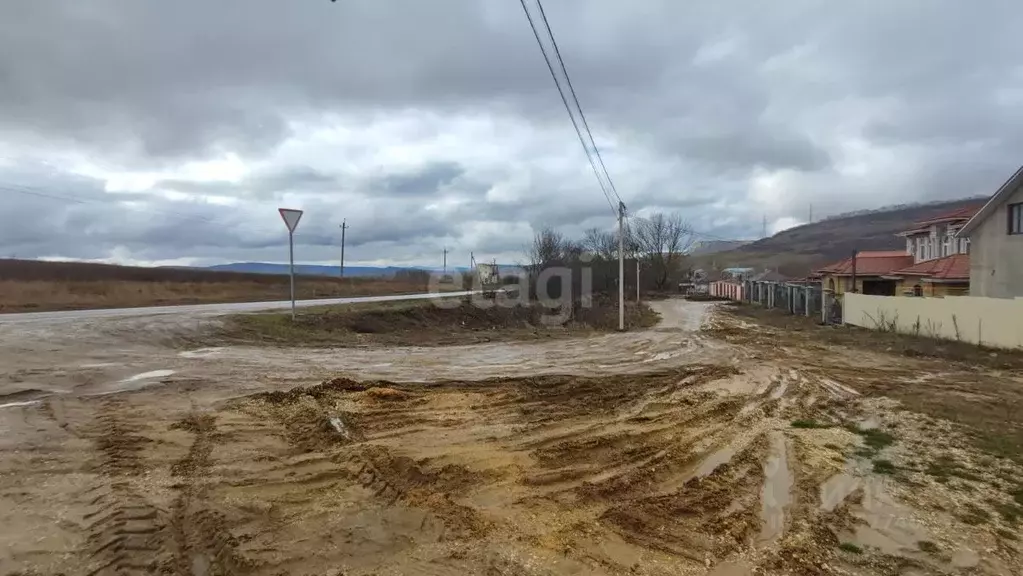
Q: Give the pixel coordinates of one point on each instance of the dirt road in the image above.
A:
(705, 445)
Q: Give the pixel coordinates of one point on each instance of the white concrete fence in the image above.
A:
(996, 322)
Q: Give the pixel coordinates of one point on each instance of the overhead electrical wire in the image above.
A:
(571, 89)
(608, 187)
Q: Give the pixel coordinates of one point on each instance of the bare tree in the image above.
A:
(602, 244)
(663, 240)
(549, 248)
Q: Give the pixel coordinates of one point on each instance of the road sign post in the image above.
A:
(291, 218)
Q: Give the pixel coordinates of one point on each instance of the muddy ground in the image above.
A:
(716, 442)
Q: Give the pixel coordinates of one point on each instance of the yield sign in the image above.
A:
(291, 217)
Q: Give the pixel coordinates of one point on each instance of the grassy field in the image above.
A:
(29, 286)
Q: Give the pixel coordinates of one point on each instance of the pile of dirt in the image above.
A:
(442, 322)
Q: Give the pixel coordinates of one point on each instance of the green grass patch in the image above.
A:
(882, 466)
(874, 440)
(850, 547)
(927, 546)
(809, 424)
(877, 439)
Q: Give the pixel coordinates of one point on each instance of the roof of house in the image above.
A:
(959, 214)
(999, 197)
(870, 263)
(954, 267)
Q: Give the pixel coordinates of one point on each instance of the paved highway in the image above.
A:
(207, 309)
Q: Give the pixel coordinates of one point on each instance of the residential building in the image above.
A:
(995, 234)
(945, 276)
(873, 270)
(941, 260)
(936, 262)
(936, 237)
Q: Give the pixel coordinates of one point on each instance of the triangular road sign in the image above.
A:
(291, 217)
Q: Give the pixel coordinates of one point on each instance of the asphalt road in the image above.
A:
(206, 309)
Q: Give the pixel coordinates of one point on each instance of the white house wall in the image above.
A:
(996, 257)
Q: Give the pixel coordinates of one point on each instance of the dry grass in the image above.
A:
(28, 286)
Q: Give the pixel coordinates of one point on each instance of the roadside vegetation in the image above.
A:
(422, 323)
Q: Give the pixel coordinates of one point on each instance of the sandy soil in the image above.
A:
(705, 445)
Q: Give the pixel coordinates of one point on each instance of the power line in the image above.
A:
(571, 89)
(568, 108)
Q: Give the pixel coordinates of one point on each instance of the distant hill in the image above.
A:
(310, 270)
(350, 271)
(799, 250)
(704, 247)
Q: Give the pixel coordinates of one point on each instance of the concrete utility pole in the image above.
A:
(637, 280)
(621, 265)
(763, 230)
(344, 226)
(445, 260)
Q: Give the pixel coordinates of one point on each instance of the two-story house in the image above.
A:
(996, 235)
(935, 262)
(941, 260)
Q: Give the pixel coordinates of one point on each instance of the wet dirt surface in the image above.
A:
(674, 450)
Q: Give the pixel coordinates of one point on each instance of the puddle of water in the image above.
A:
(777, 491)
(965, 558)
(836, 489)
(200, 353)
(711, 463)
(870, 423)
(889, 526)
(731, 568)
(339, 426)
(24, 403)
(779, 390)
(147, 375)
(838, 390)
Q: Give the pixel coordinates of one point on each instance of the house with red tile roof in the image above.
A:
(870, 269)
(935, 262)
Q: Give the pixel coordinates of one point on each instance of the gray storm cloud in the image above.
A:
(430, 124)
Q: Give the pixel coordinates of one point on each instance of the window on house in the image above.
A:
(1016, 218)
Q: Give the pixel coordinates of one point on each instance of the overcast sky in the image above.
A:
(169, 132)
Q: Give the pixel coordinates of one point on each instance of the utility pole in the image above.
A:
(763, 230)
(445, 260)
(811, 212)
(344, 226)
(621, 265)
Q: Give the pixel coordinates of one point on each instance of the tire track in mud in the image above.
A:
(125, 533)
(202, 543)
